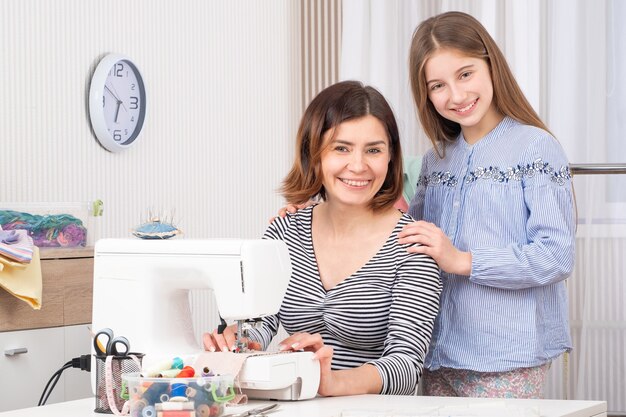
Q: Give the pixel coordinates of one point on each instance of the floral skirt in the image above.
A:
(518, 383)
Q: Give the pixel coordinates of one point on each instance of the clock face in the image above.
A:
(117, 102)
(123, 102)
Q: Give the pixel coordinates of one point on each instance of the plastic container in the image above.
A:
(199, 396)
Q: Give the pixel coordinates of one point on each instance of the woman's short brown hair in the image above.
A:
(334, 105)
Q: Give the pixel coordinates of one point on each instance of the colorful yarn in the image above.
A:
(50, 230)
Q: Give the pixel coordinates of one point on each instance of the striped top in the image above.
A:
(508, 200)
(383, 314)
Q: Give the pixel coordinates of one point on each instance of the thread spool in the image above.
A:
(169, 373)
(207, 372)
(203, 410)
(177, 363)
(186, 372)
(198, 394)
(175, 406)
(148, 411)
(164, 398)
(136, 406)
(154, 392)
(178, 390)
(156, 369)
(215, 410)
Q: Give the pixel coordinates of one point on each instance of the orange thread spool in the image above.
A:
(186, 372)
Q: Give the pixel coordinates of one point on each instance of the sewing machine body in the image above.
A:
(283, 376)
(141, 291)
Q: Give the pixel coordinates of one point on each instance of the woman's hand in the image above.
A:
(292, 208)
(364, 379)
(314, 343)
(435, 243)
(225, 342)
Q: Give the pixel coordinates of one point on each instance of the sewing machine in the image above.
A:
(141, 291)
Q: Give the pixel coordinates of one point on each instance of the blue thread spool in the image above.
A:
(178, 390)
(148, 411)
(198, 394)
(154, 392)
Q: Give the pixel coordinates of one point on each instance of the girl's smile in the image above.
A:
(461, 90)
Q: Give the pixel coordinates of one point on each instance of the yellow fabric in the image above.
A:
(24, 283)
(6, 261)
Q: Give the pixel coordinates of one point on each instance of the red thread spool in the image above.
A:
(215, 410)
(186, 372)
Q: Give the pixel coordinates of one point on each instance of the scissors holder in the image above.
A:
(118, 365)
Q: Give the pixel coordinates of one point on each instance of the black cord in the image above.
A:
(55, 377)
(83, 362)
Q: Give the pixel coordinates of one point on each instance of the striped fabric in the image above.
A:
(383, 314)
(508, 200)
(16, 245)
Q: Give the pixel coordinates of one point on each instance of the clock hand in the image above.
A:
(117, 111)
(111, 92)
(120, 101)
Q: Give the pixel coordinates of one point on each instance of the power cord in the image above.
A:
(83, 362)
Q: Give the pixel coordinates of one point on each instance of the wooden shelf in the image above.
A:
(66, 253)
(67, 292)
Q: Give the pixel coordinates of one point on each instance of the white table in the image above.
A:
(372, 406)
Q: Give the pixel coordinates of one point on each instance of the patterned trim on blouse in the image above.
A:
(438, 178)
(495, 174)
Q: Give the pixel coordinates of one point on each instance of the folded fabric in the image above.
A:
(9, 236)
(24, 283)
(6, 261)
(16, 245)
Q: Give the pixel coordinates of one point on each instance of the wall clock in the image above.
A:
(117, 102)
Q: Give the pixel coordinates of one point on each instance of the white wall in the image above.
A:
(222, 109)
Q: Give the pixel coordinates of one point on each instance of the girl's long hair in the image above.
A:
(462, 32)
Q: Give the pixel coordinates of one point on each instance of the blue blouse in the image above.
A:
(507, 199)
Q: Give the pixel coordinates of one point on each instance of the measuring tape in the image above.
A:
(108, 377)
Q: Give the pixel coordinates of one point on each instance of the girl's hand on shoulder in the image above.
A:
(292, 208)
(323, 353)
(435, 243)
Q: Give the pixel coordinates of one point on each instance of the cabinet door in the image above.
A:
(23, 376)
(77, 343)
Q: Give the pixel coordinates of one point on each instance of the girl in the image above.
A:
(495, 210)
(357, 298)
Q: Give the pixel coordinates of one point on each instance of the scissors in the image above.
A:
(105, 344)
(258, 411)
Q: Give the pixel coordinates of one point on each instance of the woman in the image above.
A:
(357, 298)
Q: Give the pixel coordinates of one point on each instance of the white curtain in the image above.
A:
(569, 56)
